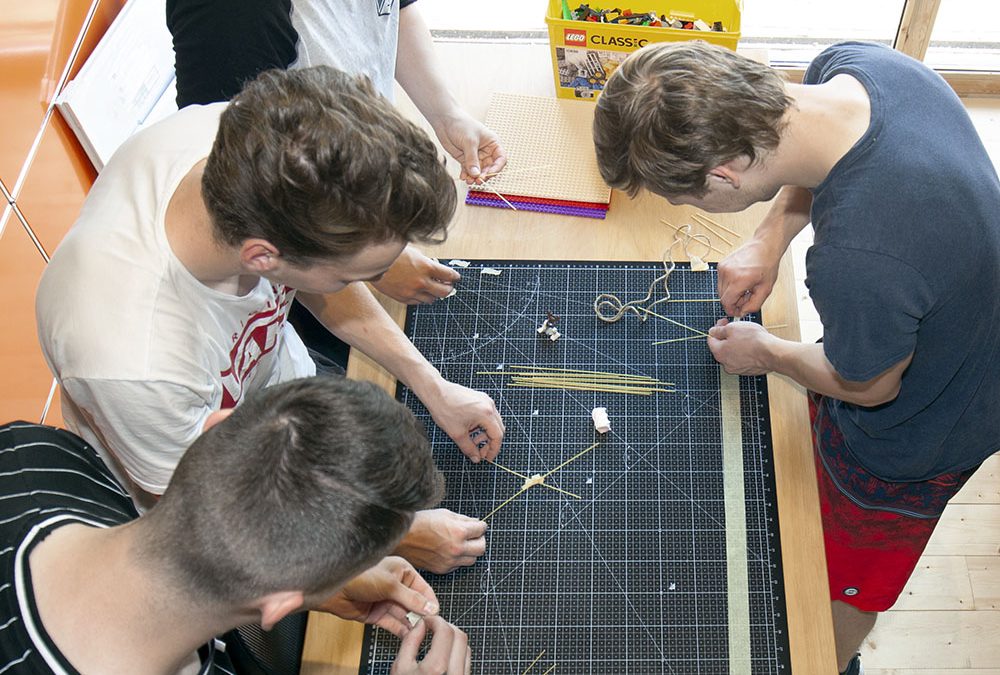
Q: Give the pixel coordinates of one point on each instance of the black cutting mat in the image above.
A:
(632, 578)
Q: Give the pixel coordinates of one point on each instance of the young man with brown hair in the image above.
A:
(167, 300)
(877, 152)
(275, 510)
(221, 45)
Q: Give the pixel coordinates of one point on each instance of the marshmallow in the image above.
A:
(601, 421)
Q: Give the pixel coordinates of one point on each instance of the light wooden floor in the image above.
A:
(947, 622)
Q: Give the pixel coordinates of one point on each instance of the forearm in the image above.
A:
(786, 218)
(807, 364)
(356, 317)
(417, 71)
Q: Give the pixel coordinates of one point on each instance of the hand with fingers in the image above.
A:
(414, 278)
(441, 541)
(382, 595)
(474, 145)
(469, 417)
(742, 347)
(449, 652)
(747, 277)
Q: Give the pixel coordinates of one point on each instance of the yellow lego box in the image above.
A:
(585, 53)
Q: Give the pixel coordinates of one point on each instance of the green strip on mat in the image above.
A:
(738, 583)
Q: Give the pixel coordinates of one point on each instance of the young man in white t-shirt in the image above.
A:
(221, 45)
(167, 299)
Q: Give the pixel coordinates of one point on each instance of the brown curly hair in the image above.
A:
(317, 163)
(674, 111)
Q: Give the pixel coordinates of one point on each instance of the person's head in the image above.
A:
(677, 117)
(316, 165)
(302, 487)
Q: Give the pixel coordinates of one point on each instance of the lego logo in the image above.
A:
(575, 37)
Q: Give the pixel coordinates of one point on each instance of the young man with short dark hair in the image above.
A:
(877, 152)
(168, 298)
(275, 510)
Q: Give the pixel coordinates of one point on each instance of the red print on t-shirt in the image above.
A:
(259, 336)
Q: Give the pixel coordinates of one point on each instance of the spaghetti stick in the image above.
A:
(574, 457)
(553, 487)
(604, 382)
(583, 380)
(714, 231)
(693, 300)
(719, 225)
(639, 391)
(691, 337)
(586, 372)
(525, 372)
(505, 503)
(523, 477)
(676, 323)
(490, 188)
(500, 466)
(556, 384)
(584, 385)
(598, 382)
(581, 376)
(606, 390)
(532, 664)
(551, 668)
(681, 229)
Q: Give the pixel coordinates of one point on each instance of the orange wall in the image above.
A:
(36, 39)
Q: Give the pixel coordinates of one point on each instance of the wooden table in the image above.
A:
(631, 232)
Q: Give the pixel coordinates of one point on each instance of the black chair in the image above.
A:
(278, 651)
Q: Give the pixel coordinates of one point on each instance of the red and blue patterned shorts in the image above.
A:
(874, 531)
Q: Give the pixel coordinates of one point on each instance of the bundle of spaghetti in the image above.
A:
(539, 377)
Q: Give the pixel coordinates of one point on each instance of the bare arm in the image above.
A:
(475, 147)
(747, 276)
(468, 417)
(745, 348)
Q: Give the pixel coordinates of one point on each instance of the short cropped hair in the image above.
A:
(317, 163)
(674, 111)
(305, 485)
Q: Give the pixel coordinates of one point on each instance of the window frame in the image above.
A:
(913, 36)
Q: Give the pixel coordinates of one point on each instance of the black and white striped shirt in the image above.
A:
(50, 478)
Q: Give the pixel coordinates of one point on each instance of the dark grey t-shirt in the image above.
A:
(907, 259)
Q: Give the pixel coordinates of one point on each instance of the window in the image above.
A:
(966, 36)
(963, 35)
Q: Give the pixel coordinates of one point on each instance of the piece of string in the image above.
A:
(610, 308)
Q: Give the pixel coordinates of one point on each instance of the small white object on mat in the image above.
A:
(459, 263)
(492, 271)
(601, 421)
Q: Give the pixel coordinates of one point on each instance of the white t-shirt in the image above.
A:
(357, 36)
(144, 351)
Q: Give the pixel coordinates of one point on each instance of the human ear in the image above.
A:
(276, 606)
(730, 172)
(259, 256)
